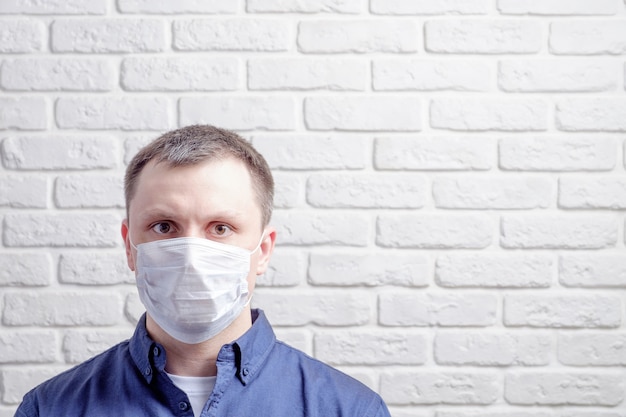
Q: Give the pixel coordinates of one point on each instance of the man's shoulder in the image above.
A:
(96, 364)
(314, 371)
(317, 387)
(73, 382)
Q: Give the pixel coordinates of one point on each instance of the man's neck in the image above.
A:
(198, 359)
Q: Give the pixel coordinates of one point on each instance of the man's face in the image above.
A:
(213, 200)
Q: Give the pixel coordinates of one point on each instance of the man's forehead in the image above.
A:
(230, 189)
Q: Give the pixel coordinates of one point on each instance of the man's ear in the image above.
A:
(126, 236)
(266, 249)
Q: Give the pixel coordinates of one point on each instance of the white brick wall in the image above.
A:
(450, 185)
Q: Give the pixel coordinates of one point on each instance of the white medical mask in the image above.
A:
(193, 288)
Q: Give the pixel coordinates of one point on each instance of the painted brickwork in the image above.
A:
(450, 185)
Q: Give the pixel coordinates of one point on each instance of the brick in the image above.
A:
(425, 7)
(589, 271)
(24, 191)
(407, 412)
(287, 269)
(7, 411)
(592, 349)
(371, 347)
(180, 74)
(366, 190)
(600, 114)
(58, 74)
(427, 387)
(240, 113)
(491, 193)
(433, 231)
(94, 191)
(489, 114)
(370, 269)
(288, 190)
(28, 346)
(564, 388)
(534, 413)
(296, 338)
(61, 230)
(562, 311)
(588, 37)
(358, 36)
(133, 308)
(133, 144)
(231, 34)
(61, 308)
(596, 193)
(108, 35)
(58, 152)
(494, 271)
(558, 153)
(81, 345)
(177, 6)
(25, 269)
(492, 349)
(365, 113)
(23, 380)
(444, 309)
(433, 153)
(23, 113)
(308, 74)
(322, 309)
(556, 76)
(503, 412)
(310, 6)
(558, 7)
(309, 152)
(429, 75)
(502, 36)
(558, 232)
(21, 35)
(94, 269)
(67, 7)
(309, 228)
(125, 113)
(592, 414)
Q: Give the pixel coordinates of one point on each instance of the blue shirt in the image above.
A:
(257, 376)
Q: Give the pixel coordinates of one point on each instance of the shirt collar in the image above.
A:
(248, 352)
(254, 347)
(143, 349)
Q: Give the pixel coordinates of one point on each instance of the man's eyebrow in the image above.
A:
(157, 213)
(171, 214)
(228, 215)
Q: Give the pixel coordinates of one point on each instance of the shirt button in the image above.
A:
(148, 371)
(183, 406)
(156, 351)
(245, 372)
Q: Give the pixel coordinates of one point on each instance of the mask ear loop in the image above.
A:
(258, 245)
(132, 245)
(248, 302)
(252, 252)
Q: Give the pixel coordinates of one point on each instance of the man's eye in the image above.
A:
(162, 228)
(222, 229)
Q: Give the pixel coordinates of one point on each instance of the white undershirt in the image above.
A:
(197, 388)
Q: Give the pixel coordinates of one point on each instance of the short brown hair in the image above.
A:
(198, 143)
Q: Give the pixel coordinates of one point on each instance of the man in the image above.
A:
(199, 201)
